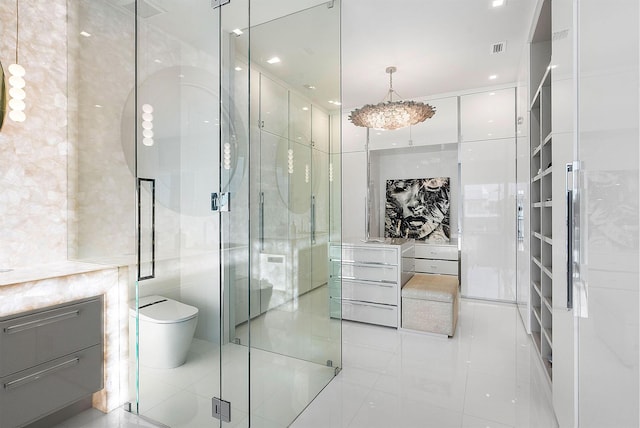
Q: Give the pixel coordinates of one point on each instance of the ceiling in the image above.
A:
(438, 46)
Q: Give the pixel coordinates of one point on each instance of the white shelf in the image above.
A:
(542, 181)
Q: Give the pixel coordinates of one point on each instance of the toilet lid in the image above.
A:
(163, 310)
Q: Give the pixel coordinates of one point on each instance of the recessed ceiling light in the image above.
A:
(492, 93)
(493, 77)
(497, 3)
(335, 102)
(237, 32)
(309, 86)
(98, 106)
(157, 61)
(273, 60)
(238, 68)
(85, 34)
(305, 108)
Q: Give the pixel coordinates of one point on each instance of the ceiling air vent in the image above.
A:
(499, 47)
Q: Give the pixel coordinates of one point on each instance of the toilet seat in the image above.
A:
(161, 310)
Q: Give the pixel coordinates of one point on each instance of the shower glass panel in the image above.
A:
(186, 144)
(217, 187)
(295, 340)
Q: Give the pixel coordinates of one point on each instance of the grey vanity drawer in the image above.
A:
(430, 251)
(375, 292)
(31, 394)
(446, 267)
(33, 339)
(370, 313)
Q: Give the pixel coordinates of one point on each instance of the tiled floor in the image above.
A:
(486, 376)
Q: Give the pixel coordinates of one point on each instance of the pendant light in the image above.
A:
(17, 83)
(390, 114)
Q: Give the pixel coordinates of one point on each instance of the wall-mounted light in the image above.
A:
(17, 83)
(226, 156)
(331, 172)
(306, 173)
(290, 161)
(147, 125)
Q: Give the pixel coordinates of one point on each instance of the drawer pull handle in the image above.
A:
(372, 281)
(390, 308)
(37, 375)
(40, 322)
(361, 263)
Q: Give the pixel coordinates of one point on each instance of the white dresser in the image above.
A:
(437, 258)
(366, 279)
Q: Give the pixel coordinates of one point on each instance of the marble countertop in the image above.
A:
(37, 273)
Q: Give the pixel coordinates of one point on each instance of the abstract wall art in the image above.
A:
(418, 208)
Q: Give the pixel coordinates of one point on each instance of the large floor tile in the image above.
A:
(384, 410)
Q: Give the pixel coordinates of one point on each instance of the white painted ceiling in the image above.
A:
(438, 46)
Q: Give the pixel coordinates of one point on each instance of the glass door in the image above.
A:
(189, 110)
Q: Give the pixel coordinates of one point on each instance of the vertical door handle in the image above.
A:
(569, 195)
(261, 221)
(150, 185)
(313, 219)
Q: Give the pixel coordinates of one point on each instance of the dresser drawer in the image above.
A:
(30, 394)
(375, 292)
(368, 272)
(370, 313)
(32, 339)
(444, 252)
(385, 256)
(447, 267)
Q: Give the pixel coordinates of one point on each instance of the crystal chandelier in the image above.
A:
(390, 114)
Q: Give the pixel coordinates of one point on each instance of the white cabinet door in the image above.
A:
(319, 129)
(488, 217)
(354, 191)
(274, 107)
(299, 119)
(442, 128)
(488, 115)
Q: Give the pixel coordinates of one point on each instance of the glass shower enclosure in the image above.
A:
(204, 127)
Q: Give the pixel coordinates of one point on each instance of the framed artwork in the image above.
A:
(418, 208)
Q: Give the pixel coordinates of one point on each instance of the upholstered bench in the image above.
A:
(430, 303)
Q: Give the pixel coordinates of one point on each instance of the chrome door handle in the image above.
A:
(569, 196)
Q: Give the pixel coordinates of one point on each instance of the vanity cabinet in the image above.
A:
(366, 279)
(437, 258)
(49, 359)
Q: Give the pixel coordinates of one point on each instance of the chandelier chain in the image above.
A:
(17, 27)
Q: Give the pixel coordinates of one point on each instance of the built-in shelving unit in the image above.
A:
(541, 210)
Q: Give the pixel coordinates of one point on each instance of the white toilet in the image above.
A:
(166, 330)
